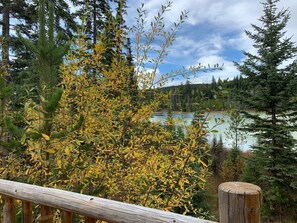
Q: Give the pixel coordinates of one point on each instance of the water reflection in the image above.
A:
(218, 121)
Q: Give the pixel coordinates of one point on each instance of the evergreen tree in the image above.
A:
(233, 166)
(234, 132)
(108, 27)
(132, 80)
(187, 92)
(21, 65)
(10, 134)
(121, 47)
(49, 52)
(273, 82)
(174, 126)
(217, 153)
(97, 13)
(5, 33)
(12, 9)
(3, 111)
(64, 18)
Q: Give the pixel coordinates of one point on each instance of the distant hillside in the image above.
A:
(218, 95)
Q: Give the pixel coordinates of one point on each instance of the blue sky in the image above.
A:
(213, 33)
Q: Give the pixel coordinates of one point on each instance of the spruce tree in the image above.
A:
(12, 9)
(217, 152)
(9, 132)
(273, 79)
(234, 132)
(97, 13)
(233, 165)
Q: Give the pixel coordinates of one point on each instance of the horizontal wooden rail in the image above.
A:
(90, 206)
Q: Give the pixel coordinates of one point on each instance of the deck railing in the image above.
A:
(232, 195)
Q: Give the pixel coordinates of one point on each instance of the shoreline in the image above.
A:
(192, 112)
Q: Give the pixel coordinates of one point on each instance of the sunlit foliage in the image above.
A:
(103, 143)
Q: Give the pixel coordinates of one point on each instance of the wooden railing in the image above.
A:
(95, 208)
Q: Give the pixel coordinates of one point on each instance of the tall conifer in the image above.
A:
(273, 77)
(49, 52)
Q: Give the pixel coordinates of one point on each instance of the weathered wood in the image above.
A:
(9, 210)
(67, 217)
(46, 214)
(94, 207)
(239, 202)
(27, 212)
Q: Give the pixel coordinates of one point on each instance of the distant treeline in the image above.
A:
(217, 95)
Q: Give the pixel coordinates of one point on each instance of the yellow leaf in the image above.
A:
(45, 136)
(192, 159)
(23, 139)
(59, 163)
(50, 151)
(203, 164)
(181, 184)
(67, 151)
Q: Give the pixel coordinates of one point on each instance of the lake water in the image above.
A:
(218, 121)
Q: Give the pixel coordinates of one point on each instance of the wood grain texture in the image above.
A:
(67, 217)
(9, 214)
(46, 214)
(27, 212)
(239, 202)
(90, 206)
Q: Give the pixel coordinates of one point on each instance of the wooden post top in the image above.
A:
(239, 202)
(240, 188)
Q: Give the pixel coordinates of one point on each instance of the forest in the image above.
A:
(78, 88)
(216, 96)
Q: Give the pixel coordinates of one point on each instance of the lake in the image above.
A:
(214, 120)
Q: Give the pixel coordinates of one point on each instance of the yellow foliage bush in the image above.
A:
(116, 152)
(103, 143)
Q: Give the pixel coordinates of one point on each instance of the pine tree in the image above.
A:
(49, 52)
(21, 72)
(273, 82)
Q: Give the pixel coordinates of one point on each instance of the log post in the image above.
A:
(27, 212)
(90, 220)
(9, 214)
(239, 202)
(67, 217)
(46, 214)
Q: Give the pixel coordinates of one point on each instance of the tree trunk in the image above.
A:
(5, 65)
(5, 33)
(94, 22)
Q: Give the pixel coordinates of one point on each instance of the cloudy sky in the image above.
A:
(213, 33)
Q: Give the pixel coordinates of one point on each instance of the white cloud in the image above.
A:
(190, 49)
(214, 32)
